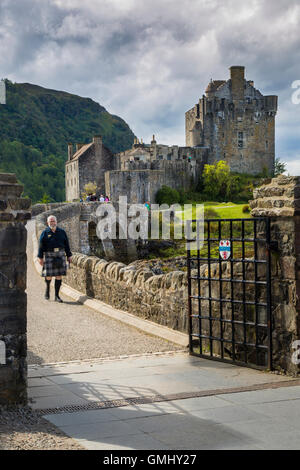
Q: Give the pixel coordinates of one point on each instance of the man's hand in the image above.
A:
(70, 259)
(41, 261)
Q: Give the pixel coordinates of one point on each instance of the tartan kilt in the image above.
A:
(49, 269)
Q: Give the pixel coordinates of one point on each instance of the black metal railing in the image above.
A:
(229, 298)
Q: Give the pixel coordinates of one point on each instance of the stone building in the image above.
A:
(138, 172)
(236, 122)
(142, 170)
(233, 121)
(88, 164)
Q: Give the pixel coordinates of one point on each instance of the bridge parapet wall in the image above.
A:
(280, 201)
(14, 213)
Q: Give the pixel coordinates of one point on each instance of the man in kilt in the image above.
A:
(53, 248)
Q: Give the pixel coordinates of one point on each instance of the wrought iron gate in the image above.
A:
(229, 296)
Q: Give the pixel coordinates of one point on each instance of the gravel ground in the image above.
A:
(25, 429)
(59, 333)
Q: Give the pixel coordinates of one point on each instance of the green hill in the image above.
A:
(35, 126)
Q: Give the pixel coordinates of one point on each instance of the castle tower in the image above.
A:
(236, 123)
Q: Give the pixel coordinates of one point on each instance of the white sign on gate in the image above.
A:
(225, 249)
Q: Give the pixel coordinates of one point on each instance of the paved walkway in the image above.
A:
(70, 331)
(168, 401)
(161, 401)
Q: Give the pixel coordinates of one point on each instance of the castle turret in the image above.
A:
(270, 102)
(153, 149)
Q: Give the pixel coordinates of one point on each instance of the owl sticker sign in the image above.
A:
(225, 249)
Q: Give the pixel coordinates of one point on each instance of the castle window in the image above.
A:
(240, 140)
(267, 144)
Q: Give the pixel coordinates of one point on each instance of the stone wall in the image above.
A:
(14, 212)
(39, 208)
(159, 298)
(140, 181)
(68, 217)
(280, 201)
(162, 299)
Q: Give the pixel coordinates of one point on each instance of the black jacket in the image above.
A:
(50, 240)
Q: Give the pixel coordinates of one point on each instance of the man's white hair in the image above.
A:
(51, 216)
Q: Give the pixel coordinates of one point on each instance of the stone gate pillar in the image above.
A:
(14, 212)
(280, 201)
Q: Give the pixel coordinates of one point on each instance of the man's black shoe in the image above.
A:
(58, 299)
(47, 296)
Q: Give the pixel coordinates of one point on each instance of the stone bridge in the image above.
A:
(161, 298)
(79, 220)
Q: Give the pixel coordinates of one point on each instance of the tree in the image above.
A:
(279, 167)
(216, 179)
(45, 199)
(89, 188)
(167, 195)
(219, 184)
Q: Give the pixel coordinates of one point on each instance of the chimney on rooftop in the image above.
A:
(237, 75)
(97, 139)
(70, 151)
(78, 147)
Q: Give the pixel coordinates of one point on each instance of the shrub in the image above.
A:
(210, 213)
(246, 208)
(167, 195)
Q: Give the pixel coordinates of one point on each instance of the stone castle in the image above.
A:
(233, 121)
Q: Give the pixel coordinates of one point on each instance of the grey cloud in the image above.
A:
(151, 61)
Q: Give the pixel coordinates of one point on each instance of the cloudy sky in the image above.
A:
(149, 61)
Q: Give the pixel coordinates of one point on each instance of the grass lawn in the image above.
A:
(224, 211)
(228, 210)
